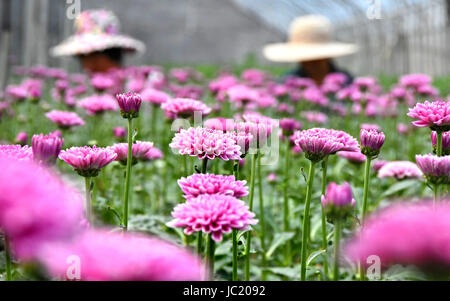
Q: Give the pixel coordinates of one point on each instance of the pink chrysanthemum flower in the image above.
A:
(35, 207)
(139, 151)
(378, 164)
(371, 142)
(46, 148)
(445, 142)
(370, 126)
(130, 104)
(315, 117)
(16, 151)
(198, 184)
(205, 143)
(153, 154)
(222, 83)
(338, 201)
(21, 138)
(400, 170)
(87, 161)
(98, 103)
(315, 95)
(107, 256)
(289, 125)
(154, 96)
(216, 214)
(64, 120)
(317, 143)
(254, 77)
(352, 157)
(435, 169)
(219, 123)
(407, 234)
(415, 81)
(120, 133)
(184, 108)
(241, 95)
(103, 81)
(435, 115)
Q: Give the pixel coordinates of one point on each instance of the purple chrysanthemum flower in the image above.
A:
(317, 143)
(435, 115)
(338, 201)
(98, 103)
(198, 184)
(216, 214)
(205, 143)
(64, 120)
(46, 148)
(87, 161)
(400, 170)
(435, 169)
(130, 104)
(371, 142)
(120, 133)
(289, 125)
(21, 138)
(184, 108)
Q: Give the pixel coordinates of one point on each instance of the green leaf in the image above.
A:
(313, 256)
(279, 239)
(399, 186)
(291, 273)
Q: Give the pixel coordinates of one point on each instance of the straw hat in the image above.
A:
(96, 30)
(310, 38)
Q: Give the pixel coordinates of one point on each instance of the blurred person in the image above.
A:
(311, 46)
(97, 42)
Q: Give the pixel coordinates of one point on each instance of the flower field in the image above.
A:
(152, 173)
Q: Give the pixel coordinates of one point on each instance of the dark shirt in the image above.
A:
(299, 72)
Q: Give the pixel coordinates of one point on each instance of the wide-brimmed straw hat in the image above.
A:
(310, 38)
(96, 30)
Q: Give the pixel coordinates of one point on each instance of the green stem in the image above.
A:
(366, 188)
(199, 242)
(235, 231)
(324, 220)
(286, 214)
(305, 233)
(8, 263)
(364, 205)
(250, 206)
(235, 252)
(261, 220)
(87, 204)
(153, 122)
(128, 174)
(210, 248)
(204, 165)
(439, 143)
(337, 238)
